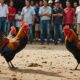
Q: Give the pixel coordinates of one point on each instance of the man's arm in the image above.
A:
(7, 13)
(53, 13)
(74, 16)
(33, 15)
(47, 14)
(22, 14)
(60, 14)
(11, 14)
(33, 18)
(41, 13)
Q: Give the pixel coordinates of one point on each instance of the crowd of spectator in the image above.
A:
(46, 21)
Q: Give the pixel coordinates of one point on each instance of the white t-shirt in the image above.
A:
(19, 17)
(78, 14)
(45, 10)
(3, 10)
(28, 13)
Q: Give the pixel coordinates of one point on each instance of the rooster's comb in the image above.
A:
(66, 27)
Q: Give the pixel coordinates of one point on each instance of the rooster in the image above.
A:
(10, 47)
(72, 43)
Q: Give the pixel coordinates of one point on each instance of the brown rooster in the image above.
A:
(72, 43)
(10, 47)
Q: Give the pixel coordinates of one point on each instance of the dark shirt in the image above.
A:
(57, 19)
(37, 17)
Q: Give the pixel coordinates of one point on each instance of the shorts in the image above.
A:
(37, 27)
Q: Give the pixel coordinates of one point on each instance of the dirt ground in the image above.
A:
(41, 62)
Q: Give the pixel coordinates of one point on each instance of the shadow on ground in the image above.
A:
(32, 71)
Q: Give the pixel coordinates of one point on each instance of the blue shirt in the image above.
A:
(37, 17)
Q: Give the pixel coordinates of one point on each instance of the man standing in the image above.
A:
(69, 15)
(11, 17)
(45, 14)
(78, 21)
(28, 15)
(3, 16)
(57, 14)
(37, 21)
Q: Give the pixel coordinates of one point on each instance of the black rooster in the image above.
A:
(72, 43)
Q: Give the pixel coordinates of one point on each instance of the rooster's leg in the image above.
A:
(77, 66)
(12, 64)
(9, 65)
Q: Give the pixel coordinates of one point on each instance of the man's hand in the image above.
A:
(43, 14)
(59, 14)
(11, 14)
(55, 14)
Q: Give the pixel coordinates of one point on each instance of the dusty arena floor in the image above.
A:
(41, 62)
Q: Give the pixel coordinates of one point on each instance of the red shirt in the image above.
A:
(69, 16)
(12, 10)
